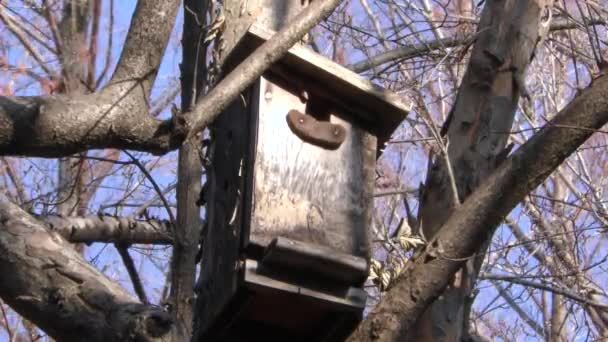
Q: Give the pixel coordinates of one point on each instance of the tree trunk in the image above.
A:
(477, 131)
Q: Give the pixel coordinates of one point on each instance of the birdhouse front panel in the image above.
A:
(313, 170)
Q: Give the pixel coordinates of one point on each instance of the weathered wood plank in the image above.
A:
(220, 275)
(353, 300)
(316, 261)
(305, 192)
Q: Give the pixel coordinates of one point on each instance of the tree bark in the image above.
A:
(477, 131)
(45, 280)
(109, 229)
(49, 283)
(115, 117)
(189, 172)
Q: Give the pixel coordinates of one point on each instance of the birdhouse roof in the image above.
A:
(380, 110)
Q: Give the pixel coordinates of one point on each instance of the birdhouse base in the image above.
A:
(279, 303)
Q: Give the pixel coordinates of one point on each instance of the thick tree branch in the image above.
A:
(471, 225)
(116, 117)
(145, 45)
(49, 283)
(476, 130)
(110, 229)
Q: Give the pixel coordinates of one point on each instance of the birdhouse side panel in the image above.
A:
(221, 264)
(305, 191)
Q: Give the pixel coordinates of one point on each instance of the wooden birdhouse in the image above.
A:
(289, 201)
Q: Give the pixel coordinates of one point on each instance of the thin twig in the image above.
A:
(108, 60)
(130, 266)
(159, 192)
(23, 198)
(553, 289)
(394, 192)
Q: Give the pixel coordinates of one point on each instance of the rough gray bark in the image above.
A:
(115, 117)
(109, 229)
(45, 280)
(472, 224)
(59, 125)
(477, 131)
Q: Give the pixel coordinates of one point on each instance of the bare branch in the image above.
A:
(504, 293)
(417, 50)
(116, 117)
(99, 228)
(57, 126)
(108, 57)
(19, 188)
(159, 191)
(33, 31)
(23, 39)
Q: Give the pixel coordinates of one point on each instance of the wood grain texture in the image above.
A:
(305, 192)
(220, 274)
(316, 261)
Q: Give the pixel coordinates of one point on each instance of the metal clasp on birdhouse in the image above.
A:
(321, 133)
